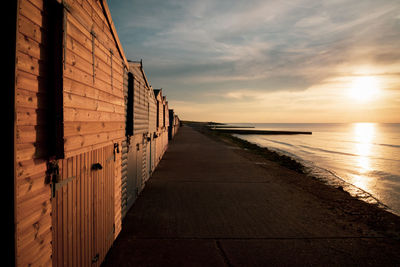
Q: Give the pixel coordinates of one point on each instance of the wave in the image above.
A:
(278, 142)
(328, 176)
(343, 153)
(384, 175)
(349, 187)
(376, 144)
(329, 151)
(388, 145)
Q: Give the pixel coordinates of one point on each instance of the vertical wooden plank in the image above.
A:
(97, 209)
(95, 204)
(111, 198)
(87, 214)
(54, 218)
(109, 201)
(99, 233)
(78, 209)
(59, 225)
(90, 205)
(69, 213)
(105, 155)
(85, 211)
(74, 197)
(65, 215)
(101, 205)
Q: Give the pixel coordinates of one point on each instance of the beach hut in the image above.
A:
(140, 126)
(152, 131)
(171, 124)
(165, 124)
(159, 124)
(177, 124)
(69, 127)
(174, 124)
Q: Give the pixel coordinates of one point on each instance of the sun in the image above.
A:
(364, 88)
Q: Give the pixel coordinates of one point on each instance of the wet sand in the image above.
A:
(215, 202)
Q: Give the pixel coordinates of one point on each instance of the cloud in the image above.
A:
(196, 49)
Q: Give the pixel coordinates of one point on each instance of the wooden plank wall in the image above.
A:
(160, 110)
(93, 111)
(32, 193)
(159, 143)
(94, 108)
(153, 112)
(166, 114)
(117, 195)
(83, 208)
(141, 100)
(124, 153)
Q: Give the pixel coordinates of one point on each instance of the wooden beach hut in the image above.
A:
(68, 130)
(140, 121)
(159, 124)
(152, 131)
(165, 124)
(174, 124)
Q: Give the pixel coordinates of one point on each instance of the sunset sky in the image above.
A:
(268, 61)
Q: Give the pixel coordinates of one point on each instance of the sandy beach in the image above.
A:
(214, 202)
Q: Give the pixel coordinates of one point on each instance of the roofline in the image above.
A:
(140, 63)
(107, 14)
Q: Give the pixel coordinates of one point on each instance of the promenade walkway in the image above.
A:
(207, 205)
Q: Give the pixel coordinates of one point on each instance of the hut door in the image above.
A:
(132, 174)
(145, 171)
(150, 155)
(83, 208)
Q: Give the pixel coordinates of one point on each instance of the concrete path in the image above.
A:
(206, 205)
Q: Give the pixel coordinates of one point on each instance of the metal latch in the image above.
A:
(96, 258)
(53, 175)
(116, 150)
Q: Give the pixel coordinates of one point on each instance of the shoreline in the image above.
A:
(334, 180)
(375, 216)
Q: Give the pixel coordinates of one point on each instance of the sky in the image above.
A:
(268, 61)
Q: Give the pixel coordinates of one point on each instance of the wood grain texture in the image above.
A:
(84, 208)
(94, 117)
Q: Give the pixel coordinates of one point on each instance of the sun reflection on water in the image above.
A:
(363, 136)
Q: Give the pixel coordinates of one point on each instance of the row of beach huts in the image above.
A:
(88, 132)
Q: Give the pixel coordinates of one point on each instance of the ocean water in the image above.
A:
(364, 158)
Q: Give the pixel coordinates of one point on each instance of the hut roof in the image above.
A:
(139, 64)
(157, 92)
(110, 22)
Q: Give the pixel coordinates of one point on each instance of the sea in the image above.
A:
(363, 158)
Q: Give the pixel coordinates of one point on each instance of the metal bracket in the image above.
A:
(93, 56)
(58, 185)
